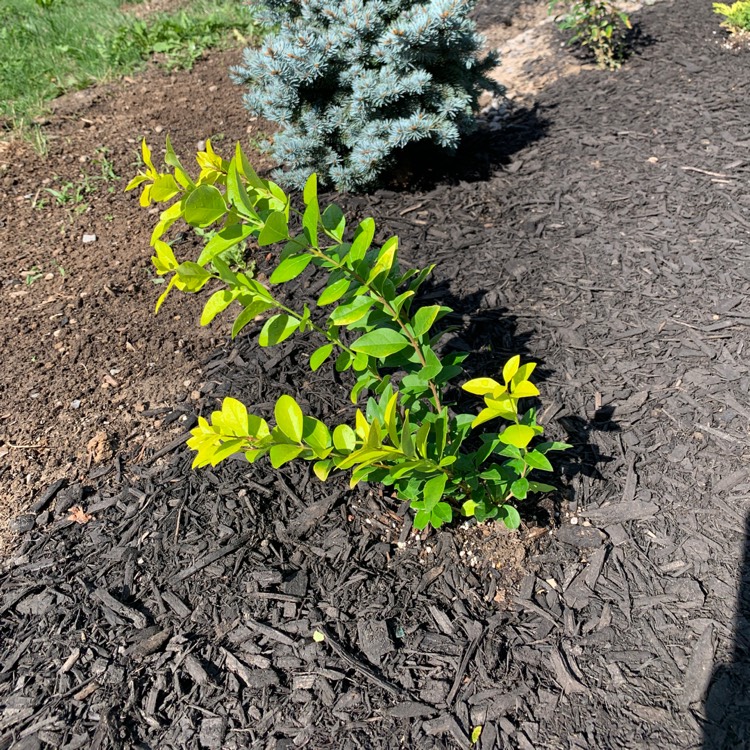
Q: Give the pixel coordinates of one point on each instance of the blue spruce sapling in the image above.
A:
(350, 82)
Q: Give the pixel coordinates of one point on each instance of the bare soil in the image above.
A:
(85, 359)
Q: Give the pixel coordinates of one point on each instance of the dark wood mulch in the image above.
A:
(612, 247)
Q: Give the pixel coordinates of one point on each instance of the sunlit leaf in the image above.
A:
(289, 417)
(204, 206)
(380, 343)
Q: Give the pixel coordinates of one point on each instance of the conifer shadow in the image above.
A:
(423, 166)
(727, 705)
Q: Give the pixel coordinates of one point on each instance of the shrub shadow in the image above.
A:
(490, 336)
(634, 41)
(423, 166)
(727, 706)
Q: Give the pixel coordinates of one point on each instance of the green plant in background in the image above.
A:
(408, 436)
(48, 47)
(736, 15)
(597, 26)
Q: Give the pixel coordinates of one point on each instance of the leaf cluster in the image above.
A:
(597, 26)
(369, 322)
(736, 15)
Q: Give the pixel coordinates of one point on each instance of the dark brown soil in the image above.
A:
(78, 318)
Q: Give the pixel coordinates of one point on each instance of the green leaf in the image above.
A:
(289, 418)
(362, 240)
(422, 519)
(320, 355)
(164, 188)
(538, 461)
(344, 438)
(248, 315)
(223, 240)
(517, 434)
(476, 733)
(541, 487)
(510, 516)
(282, 453)
(217, 303)
(407, 442)
(316, 435)
(434, 489)
(520, 488)
(344, 361)
(277, 328)
(424, 318)
(322, 469)
(380, 343)
(334, 292)
(204, 206)
(553, 446)
(351, 312)
(290, 268)
(276, 229)
(420, 439)
(443, 513)
(334, 221)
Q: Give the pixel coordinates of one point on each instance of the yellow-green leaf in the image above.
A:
(289, 418)
(320, 355)
(482, 386)
(511, 368)
(519, 435)
(204, 206)
(362, 239)
(164, 188)
(386, 257)
(281, 454)
(344, 438)
(217, 303)
(322, 469)
(235, 416)
(525, 389)
(334, 292)
(524, 372)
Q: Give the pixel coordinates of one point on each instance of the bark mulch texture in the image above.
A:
(155, 607)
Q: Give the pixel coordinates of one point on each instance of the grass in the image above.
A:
(49, 47)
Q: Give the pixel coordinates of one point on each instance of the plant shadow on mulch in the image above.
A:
(423, 166)
(491, 337)
(727, 705)
(635, 41)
